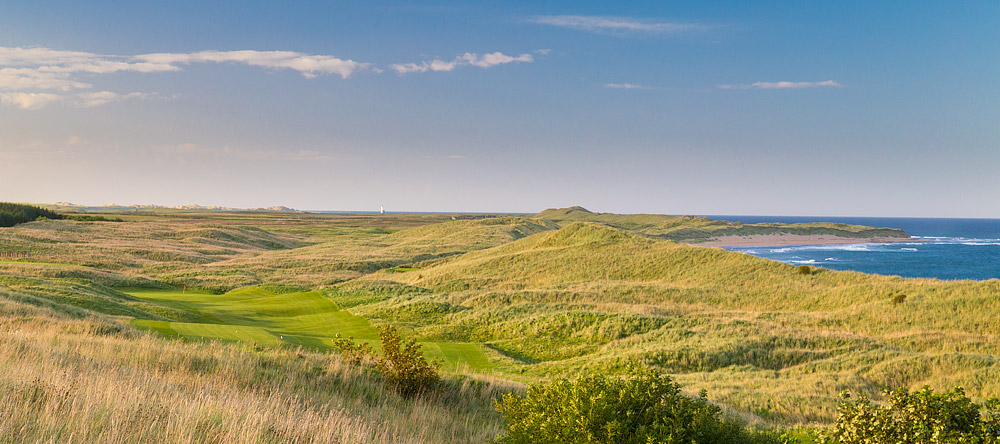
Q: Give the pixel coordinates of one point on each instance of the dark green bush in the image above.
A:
(922, 417)
(803, 269)
(401, 365)
(898, 298)
(642, 407)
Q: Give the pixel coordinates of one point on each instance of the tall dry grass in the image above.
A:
(94, 380)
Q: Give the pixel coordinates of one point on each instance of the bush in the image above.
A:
(923, 417)
(401, 364)
(898, 298)
(803, 269)
(643, 407)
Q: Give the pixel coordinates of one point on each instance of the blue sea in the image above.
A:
(943, 248)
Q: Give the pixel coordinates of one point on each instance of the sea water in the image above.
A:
(941, 248)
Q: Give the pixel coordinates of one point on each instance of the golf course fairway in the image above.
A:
(304, 319)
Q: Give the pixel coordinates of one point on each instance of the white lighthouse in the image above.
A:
(381, 209)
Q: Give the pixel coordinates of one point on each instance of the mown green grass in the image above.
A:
(304, 319)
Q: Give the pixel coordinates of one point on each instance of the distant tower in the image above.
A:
(381, 209)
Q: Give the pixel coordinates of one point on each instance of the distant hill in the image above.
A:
(698, 228)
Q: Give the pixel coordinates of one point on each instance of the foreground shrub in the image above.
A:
(803, 269)
(922, 417)
(643, 407)
(401, 365)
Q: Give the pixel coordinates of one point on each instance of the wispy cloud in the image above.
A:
(36, 100)
(782, 85)
(308, 65)
(25, 100)
(617, 25)
(88, 100)
(31, 78)
(627, 86)
(469, 58)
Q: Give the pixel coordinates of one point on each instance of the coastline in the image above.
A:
(775, 240)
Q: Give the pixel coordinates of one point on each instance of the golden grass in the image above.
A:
(770, 345)
(93, 380)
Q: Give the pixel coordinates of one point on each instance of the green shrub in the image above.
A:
(922, 417)
(401, 364)
(803, 269)
(643, 407)
(898, 298)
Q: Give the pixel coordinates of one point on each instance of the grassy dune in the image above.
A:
(521, 299)
(765, 341)
(696, 228)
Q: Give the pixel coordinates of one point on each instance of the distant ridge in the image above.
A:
(699, 228)
(116, 207)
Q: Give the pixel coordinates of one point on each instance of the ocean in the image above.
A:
(943, 248)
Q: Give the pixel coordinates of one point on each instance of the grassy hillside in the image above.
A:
(696, 228)
(768, 342)
(522, 300)
(71, 376)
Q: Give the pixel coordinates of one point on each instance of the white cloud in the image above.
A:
(782, 85)
(33, 100)
(308, 65)
(25, 100)
(469, 58)
(17, 79)
(616, 25)
(42, 56)
(626, 86)
(88, 100)
(29, 77)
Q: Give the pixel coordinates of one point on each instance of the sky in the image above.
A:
(863, 108)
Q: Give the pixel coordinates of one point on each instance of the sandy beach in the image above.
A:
(769, 240)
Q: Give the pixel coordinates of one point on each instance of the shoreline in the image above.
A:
(782, 240)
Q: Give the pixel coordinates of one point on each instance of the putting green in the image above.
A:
(304, 319)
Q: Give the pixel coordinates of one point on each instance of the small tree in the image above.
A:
(401, 365)
(922, 417)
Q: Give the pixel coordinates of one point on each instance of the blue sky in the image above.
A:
(797, 108)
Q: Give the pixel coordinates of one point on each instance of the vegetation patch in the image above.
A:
(641, 407)
(12, 214)
(400, 364)
(921, 417)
